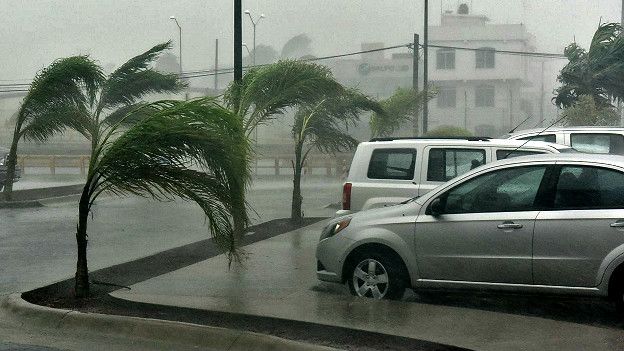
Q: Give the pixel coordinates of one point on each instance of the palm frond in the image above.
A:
(195, 150)
(270, 90)
(128, 114)
(59, 98)
(325, 124)
(56, 118)
(597, 72)
(136, 79)
(399, 108)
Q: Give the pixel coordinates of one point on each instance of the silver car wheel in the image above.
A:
(370, 279)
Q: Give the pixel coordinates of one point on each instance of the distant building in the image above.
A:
(479, 89)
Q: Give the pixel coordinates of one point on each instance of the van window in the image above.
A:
(505, 154)
(392, 164)
(446, 164)
(598, 143)
(549, 138)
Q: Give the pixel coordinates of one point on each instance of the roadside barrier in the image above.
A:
(332, 166)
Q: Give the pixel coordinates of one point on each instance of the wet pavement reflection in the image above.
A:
(278, 280)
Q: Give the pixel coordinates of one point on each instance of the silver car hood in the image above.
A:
(386, 214)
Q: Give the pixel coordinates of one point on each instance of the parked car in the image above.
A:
(4, 154)
(544, 223)
(386, 171)
(595, 140)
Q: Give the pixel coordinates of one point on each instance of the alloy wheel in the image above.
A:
(370, 279)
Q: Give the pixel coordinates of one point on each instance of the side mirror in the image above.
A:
(435, 208)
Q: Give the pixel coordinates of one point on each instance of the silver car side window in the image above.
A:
(506, 190)
(586, 187)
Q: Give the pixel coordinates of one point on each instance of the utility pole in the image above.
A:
(465, 109)
(620, 102)
(541, 105)
(426, 69)
(216, 66)
(415, 81)
(511, 120)
(238, 41)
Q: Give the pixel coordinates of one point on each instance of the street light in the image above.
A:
(247, 47)
(179, 40)
(180, 45)
(254, 23)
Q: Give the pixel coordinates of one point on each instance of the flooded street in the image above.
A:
(38, 244)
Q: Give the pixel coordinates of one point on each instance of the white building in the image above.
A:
(480, 89)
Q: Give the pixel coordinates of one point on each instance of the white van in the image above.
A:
(594, 140)
(386, 171)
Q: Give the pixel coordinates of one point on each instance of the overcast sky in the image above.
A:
(35, 32)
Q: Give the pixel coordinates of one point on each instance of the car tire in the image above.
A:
(377, 276)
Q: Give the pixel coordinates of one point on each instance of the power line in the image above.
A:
(212, 72)
(206, 73)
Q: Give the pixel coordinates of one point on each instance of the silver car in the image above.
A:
(545, 223)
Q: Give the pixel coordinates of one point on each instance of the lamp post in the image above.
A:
(254, 23)
(247, 47)
(425, 122)
(180, 46)
(179, 40)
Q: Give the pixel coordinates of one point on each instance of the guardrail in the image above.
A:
(333, 165)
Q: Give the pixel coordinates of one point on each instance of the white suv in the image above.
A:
(386, 171)
(594, 140)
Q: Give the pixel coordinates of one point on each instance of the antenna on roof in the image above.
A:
(518, 125)
(533, 136)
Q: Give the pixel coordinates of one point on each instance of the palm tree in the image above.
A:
(324, 125)
(598, 72)
(74, 93)
(59, 97)
(403, 106)
(195, 150)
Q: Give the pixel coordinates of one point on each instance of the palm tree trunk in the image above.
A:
(11, 164)
(295, 212)
(82, 272)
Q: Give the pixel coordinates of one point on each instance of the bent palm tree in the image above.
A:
(597, 72)
(403, 106)
(73, 93)
(58, 98)
(195, 150)
(324, 126)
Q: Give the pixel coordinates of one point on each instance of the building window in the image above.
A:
(445, 59)
(486, 58)
(447, 97)
(484, 96)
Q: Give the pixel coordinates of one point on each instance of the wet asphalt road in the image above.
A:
(37, 245)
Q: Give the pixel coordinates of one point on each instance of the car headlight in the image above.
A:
(335, 228)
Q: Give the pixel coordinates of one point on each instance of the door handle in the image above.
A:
(618, 224)
(509, 225)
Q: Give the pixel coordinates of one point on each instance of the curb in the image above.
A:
(37, 194)
(160, 330)
(20, 204)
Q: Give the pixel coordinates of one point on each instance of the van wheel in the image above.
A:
(376, 276)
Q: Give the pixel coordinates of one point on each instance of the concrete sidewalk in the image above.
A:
(278, 280)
